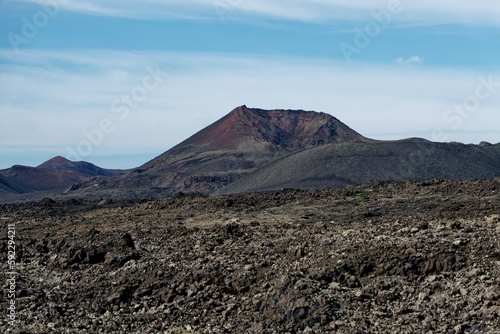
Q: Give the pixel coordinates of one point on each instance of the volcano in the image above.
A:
(257, 129)
(240, 142)
(253, 149)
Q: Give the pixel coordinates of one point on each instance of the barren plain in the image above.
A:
(383, 257)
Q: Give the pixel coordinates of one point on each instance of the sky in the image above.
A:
(117, 83)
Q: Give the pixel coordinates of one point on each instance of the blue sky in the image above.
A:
(389, 69)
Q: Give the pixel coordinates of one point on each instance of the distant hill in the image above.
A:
(56, 174)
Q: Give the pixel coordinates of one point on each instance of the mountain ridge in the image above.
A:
(252, 149)
(357, 163)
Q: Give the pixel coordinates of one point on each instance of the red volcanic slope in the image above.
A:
(247, 128)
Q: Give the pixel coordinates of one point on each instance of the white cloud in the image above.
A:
(44, 103)
(446, 11)
(410, 60)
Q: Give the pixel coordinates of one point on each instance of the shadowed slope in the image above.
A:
(356, 163)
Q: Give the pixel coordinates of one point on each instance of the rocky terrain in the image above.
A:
(383, 257)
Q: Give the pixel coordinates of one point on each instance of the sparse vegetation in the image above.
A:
(361, 196)
(102, 202)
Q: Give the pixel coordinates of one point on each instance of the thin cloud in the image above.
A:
(410, 100)
(413, 60)
(480, 12)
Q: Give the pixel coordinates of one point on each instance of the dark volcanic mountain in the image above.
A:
(56, 174)
(263, 150)
(241, 142)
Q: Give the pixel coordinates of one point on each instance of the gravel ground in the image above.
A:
(384, 257)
